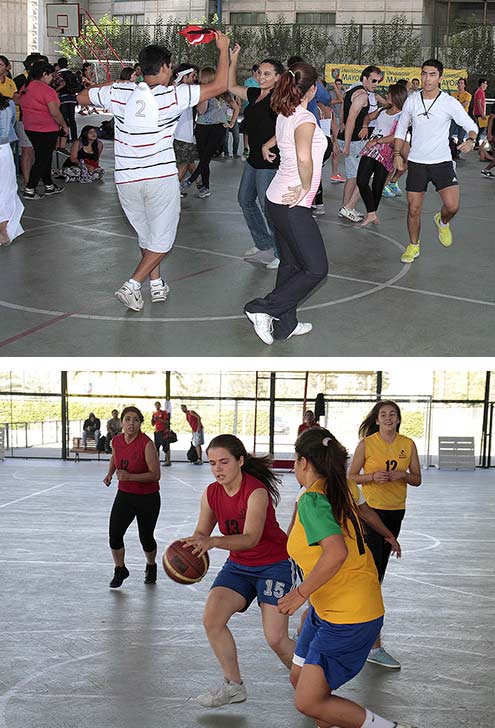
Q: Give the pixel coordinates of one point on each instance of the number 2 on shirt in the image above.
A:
(142, 106)
(391, 465)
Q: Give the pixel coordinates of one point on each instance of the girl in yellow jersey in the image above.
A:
(341, 582)
(385, 463)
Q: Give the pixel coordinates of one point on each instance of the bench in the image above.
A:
(90, 448)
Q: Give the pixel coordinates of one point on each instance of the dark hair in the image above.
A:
(36, 72)
(291, 87)
(62, 62)
(276, 65)
(368, 426)
(402, 81)
(258, 467)
(184, 67)
(398, 94)
(482, 80)
(337, 79)
(84, 139)
(86, 64)
(152, 58)
(126, 73)
(5, 60)
(366, 72)
(434, 64)
(463, 80)
(4, 102)
(415, 79)
(33, 58)
(132, 409)
(294, 59)
(329, 458)
(255, 67)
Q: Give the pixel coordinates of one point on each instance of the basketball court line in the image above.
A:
(32, 495)
(438, 586)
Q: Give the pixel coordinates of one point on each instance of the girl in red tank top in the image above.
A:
(135, 459)
(241, 503)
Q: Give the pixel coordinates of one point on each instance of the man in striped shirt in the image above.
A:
(145, 169)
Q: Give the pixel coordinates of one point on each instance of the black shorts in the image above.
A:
(419, 175)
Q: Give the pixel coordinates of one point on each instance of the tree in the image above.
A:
(395, 43)
(472, 46)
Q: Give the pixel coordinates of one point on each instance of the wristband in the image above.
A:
(300, 593)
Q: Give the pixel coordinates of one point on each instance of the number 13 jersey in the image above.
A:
(385, 456)
(230, 512)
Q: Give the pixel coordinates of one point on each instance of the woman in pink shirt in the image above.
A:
(42, 121)
(303, 259)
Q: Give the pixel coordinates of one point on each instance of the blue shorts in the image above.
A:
(268, 583)
(340, 649)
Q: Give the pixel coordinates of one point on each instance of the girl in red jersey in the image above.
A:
(135, 459)
(241, 501)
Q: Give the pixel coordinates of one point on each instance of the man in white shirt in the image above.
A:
(146, 116)
(430, 113)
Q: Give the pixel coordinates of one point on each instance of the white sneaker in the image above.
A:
(262, 256)
(274, 264)
(317, 209)
(352, 215)
(301, 329)
(229, 692)
(263, 326)
(159, 293)
(381, 657)
(251, 251)
(129, 297)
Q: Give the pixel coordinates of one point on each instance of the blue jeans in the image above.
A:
(252, 199)
(235, 140)
(457, 131)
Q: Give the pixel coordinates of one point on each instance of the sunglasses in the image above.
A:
(375, 80)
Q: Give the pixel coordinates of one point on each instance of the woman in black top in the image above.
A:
(263, 160)
(84, 162)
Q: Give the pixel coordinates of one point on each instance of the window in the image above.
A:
(247, 18)
(315, 18)
(129, 19)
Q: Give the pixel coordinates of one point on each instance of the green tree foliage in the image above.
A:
(472, 46)
(348, 47)
(395, 43)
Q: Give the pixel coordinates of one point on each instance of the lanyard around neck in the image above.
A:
(427, 110)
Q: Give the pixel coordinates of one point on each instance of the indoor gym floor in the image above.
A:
(76, 654)
(58, 279)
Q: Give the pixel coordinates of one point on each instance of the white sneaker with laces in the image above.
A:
(228, 692)
(301, 329)
(274, 264)
(263, 326)
(130, 297)
(352, 215)
(159, 293)
(262, 256)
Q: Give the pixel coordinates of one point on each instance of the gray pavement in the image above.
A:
(76, 654)
(57, 280)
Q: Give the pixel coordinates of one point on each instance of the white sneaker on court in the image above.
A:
(159, 293)
(263, 326)
(301, 329)
(251, 251)
(130, 297)
(228, 692)
(352, 215)
(274, 264)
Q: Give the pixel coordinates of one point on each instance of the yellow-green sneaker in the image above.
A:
(411, 252)
(444, 234)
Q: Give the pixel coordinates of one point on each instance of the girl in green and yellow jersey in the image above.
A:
(385, 463)
(341, 582)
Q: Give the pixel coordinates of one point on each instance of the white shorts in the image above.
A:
(198, 437)
(353, 158)
(153, 209)
(21, 135)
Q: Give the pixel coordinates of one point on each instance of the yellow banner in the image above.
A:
(350, 74)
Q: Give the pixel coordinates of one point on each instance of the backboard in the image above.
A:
(63, 20)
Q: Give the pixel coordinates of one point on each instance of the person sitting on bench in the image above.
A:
(91, 427)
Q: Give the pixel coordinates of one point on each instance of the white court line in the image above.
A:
(184, 482)
(39, 492)
(436, 542)
(438, 586)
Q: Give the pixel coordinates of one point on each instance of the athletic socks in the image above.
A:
(443, 224)
(158, 283)
(375, 721)
(136, 286)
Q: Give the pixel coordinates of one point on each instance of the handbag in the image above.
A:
(172, 437)
(191, 454)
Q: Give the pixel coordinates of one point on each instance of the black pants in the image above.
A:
(44, 143)
(319, 194)
(208, 139)
(128, 506)
(68, 111)
(303, 264)
(369, 167)
(376, 543)
(161, 442)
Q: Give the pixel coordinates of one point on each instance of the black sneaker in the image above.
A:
(120, 573)
(150, 574)
(53, 190)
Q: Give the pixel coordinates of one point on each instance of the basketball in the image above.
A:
(182, 566)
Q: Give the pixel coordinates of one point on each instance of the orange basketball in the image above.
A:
(182, 565)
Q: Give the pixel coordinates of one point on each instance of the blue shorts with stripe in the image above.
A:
(339, 649)
(267, 583)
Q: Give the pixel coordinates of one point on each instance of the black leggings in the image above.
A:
(377, 544)
(371, 167)
(303, 264)
(44, 143)
(68, 111)
(208, 138)
(328, 153)
(128, 506)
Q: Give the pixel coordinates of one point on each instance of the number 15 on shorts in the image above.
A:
(277, 590)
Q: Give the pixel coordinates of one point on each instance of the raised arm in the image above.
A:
(219, 85)
(234, 88)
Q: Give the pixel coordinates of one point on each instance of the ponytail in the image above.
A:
(329, 458)
(291, 88)
(258, 467)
